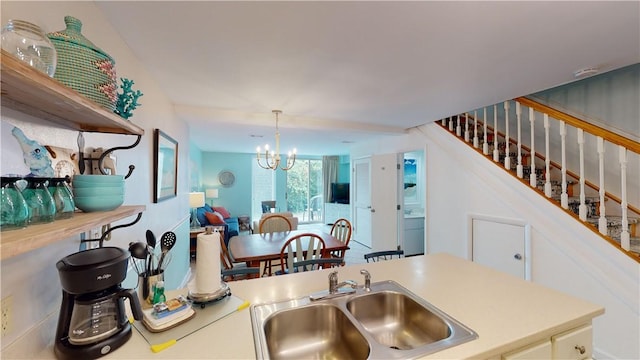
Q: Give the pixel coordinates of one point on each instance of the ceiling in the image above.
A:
(346, 72)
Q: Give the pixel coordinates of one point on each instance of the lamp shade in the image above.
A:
(212, 193)
(196, 199)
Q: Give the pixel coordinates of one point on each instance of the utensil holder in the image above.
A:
(146, 286)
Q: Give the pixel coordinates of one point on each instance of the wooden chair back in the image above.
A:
(299, 248)
(274, 223)
(341, 230)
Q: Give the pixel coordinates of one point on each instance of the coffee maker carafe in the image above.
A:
(93, 321)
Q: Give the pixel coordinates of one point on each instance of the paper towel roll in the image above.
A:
(208, 263)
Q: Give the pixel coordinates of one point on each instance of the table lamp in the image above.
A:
(196, 200)
(212, 194)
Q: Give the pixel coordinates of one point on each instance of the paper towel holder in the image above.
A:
(206, 298)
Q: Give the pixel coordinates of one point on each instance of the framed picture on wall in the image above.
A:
(165, 166)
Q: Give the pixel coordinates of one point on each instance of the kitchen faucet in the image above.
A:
(334, 286)
(367, 280)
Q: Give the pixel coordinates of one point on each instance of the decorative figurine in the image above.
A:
(36, 157)
(127, 100)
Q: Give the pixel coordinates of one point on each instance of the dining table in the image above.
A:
(254, 248)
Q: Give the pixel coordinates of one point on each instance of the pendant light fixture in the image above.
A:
(272, 159)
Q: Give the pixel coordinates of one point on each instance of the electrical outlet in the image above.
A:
(7, 315)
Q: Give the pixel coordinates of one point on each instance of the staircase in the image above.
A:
(498, 131)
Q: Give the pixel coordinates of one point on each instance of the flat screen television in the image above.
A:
(340, 193)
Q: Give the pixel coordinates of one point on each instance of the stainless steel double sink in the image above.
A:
(387, 322)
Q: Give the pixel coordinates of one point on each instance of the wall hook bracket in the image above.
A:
(106, 233)
(107, 152)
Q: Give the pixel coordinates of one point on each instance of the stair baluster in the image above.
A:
(533, 181)
(564, 197)
(507, 147)
(602, 220)
(547, 158)
(582, 209)
(485, 144)
(496, 151)
(519, 167)
(625, 240)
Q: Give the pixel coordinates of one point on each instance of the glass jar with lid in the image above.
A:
(27, 42)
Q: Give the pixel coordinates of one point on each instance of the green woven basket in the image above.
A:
(82, 66)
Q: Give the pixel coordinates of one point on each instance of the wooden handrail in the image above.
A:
(555, 165)
(581, 124)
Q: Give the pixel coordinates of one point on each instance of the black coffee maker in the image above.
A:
(93, 320)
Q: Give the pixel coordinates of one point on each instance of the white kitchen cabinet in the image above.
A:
(541, 350)
(574, 344)
(413, 236)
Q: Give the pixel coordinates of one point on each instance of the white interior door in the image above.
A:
(362, 201)
(501, 246)
(384, 201)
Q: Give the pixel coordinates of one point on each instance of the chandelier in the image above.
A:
(272, 159)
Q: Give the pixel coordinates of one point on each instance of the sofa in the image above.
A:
(231, 227)
(292, 219)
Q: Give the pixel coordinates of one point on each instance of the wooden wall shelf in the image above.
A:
(16, 242)
(27, 90)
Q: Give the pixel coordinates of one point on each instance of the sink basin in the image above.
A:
(397, 321)
(319, 331)
(388, 322)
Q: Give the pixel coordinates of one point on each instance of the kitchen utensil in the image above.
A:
(138, 251)
(81, 153)
(93, 319)
(165, 263)
(167, 241)
(151, 242)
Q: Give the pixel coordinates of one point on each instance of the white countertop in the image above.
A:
(506, 312)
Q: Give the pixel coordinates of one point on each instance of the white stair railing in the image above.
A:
(591, 210)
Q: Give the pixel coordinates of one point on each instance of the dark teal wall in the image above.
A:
(344, 169)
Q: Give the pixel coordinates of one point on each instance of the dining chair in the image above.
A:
(383, 255)
(341, 230)
(317, 264)
(272, 223)
(299, 248)
(240, 273)
(228, 262)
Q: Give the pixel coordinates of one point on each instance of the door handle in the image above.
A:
(517, 257)
(373, 210)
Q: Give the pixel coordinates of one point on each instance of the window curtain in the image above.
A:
(329, 175)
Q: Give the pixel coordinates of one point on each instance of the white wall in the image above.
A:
(31, 278)
(565, 255)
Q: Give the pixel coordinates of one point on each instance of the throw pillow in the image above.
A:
(214, 218)
(225, 214)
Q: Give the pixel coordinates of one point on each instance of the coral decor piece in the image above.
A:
(127, 100)
(35, 155)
